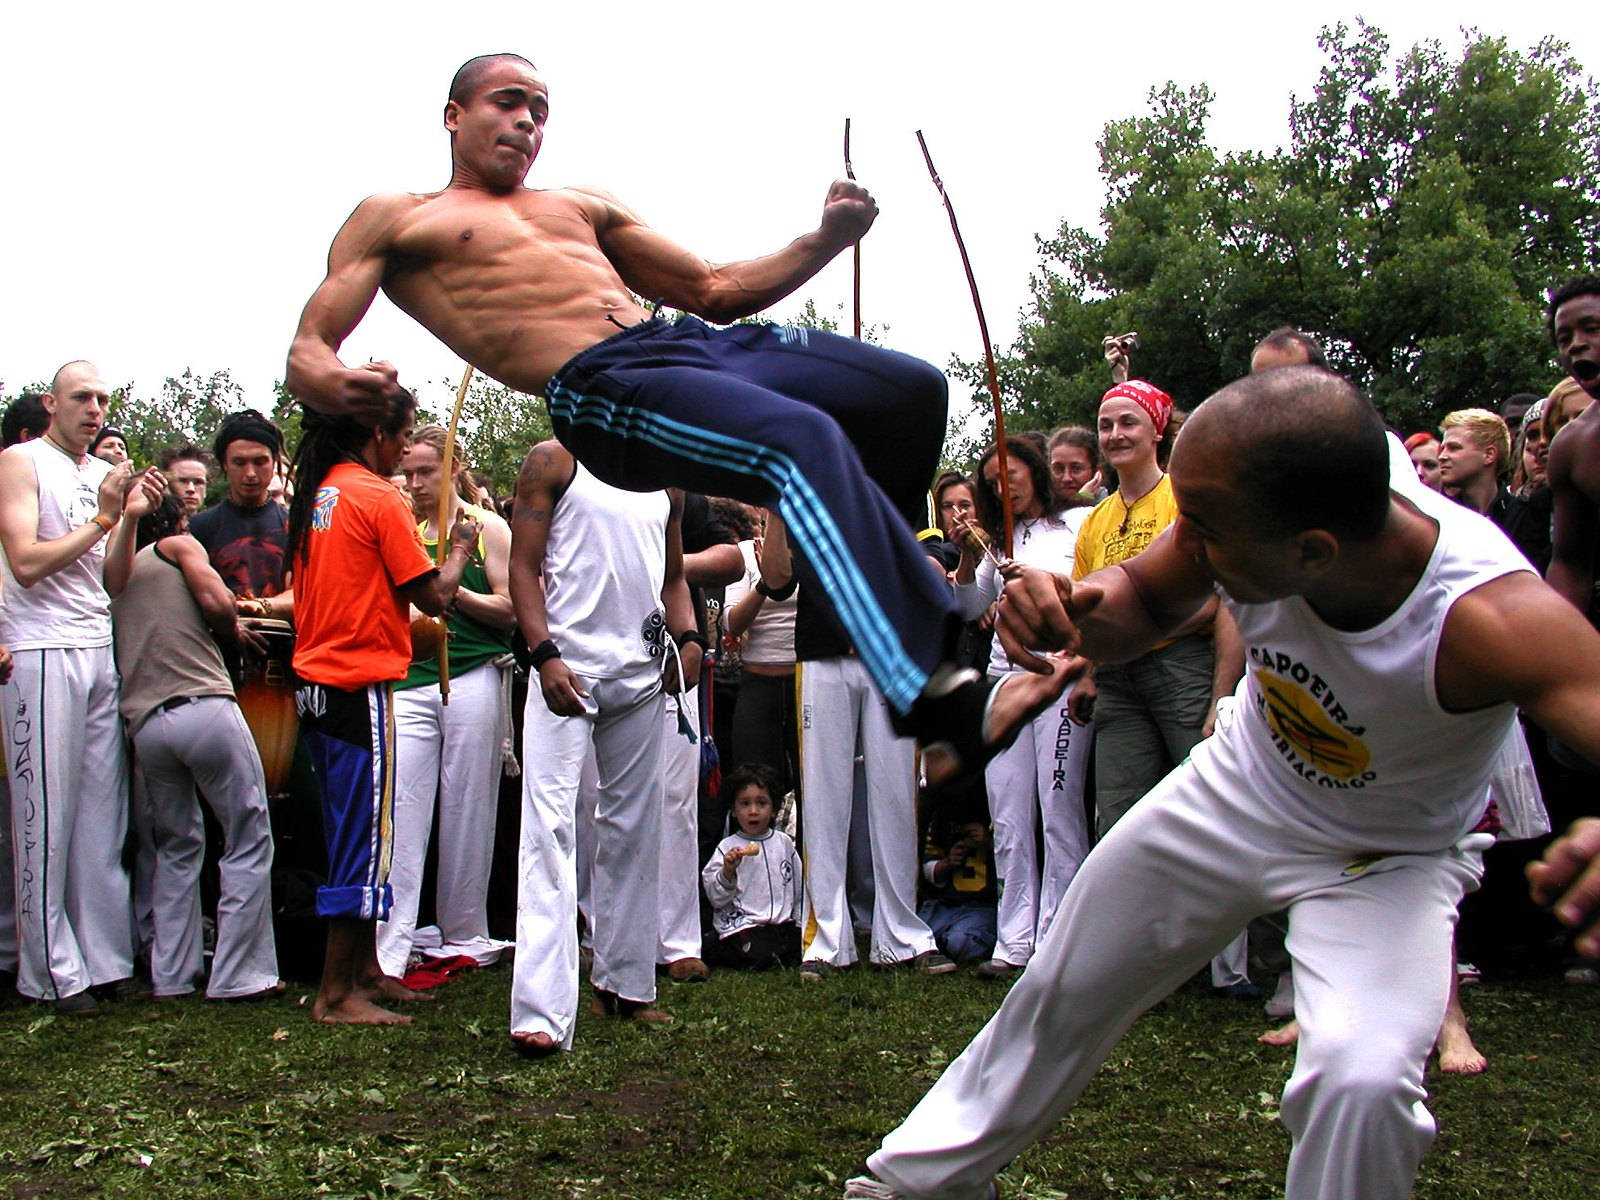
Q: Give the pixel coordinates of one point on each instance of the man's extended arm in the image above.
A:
(1111, 615)
(658, 269)
(356, 263)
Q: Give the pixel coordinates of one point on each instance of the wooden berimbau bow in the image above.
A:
(441, 546)
(988, 350)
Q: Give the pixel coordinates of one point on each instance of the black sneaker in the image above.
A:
(813, 970)
(998, 968)
(79, 1004)
(931, 962)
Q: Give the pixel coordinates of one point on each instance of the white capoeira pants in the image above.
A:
(1037, 781)
(206, 744)
(69, 816)
(841, 710)
(8, 891)
(624, 725)
(679, 889)
(1172, 883)
(452, 752)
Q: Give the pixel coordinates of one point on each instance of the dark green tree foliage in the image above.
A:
(188, 408)
(1412, 226)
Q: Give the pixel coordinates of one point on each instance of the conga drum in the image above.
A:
(266, 697)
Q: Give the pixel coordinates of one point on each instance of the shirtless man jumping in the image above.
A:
(536, 288)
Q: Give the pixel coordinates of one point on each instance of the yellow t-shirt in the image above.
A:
(1114, 532)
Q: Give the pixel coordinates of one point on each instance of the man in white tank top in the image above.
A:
(1385, 662)
(67, 550)
(597, 584)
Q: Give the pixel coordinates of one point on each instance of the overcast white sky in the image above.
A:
(174, 172)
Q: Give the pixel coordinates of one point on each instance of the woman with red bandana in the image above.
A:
(1152, 710)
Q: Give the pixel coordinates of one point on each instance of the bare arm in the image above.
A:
(30, 558)
(1228, 664)
(216, 601)
(545, 473)
(715, 566)
(679, 605)
(494, 608)
(1577, 515)
(1112, 615)
(356, 263)
(659, 269)
(1485, 658)
(434, 591)
(143, 494)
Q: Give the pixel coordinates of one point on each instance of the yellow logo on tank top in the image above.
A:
(1305, 726)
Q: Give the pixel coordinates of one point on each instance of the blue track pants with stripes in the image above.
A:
(841, 438)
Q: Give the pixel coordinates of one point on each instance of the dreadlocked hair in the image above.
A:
(325, 442)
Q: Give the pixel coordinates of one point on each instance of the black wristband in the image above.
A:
(695, 636)
(543, 653)
(779, 593)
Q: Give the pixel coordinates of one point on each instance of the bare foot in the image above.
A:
(354, 1009)
(534, 1045)
(1457, 1054)
(1017, 699)
(1285, 1035)
(391, 991)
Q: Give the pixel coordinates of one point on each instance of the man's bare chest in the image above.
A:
(484, 234)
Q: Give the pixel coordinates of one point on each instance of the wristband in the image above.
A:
(779, 594)
(543, 653)
(694, 636)
(105, 522)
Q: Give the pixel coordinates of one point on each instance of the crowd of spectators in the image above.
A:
(180, 849)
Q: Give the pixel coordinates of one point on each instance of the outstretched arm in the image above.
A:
(1110, 616)
(356, 263)
(658, 269)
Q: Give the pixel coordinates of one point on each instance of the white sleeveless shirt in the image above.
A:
(69, 608)
(604, 565)
(1341, 734)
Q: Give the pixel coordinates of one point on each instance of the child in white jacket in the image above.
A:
(753, 880)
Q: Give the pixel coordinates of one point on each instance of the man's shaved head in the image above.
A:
(470, 77)
(78, 366)
(1306, 449)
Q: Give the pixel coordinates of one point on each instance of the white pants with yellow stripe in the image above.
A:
(841, 714)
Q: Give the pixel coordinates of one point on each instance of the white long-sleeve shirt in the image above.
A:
(766, 889)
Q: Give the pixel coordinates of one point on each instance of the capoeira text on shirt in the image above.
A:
(1307, 723)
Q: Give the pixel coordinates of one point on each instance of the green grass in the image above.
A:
(763, 1088)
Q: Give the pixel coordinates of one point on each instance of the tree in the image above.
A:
(188, 408)
(1412, 226)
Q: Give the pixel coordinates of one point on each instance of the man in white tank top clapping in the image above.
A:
(67, 551)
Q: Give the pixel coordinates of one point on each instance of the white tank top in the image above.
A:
(604, 564)
(1341, 734)
(68, 608)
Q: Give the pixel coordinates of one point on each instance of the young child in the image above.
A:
(753, 880)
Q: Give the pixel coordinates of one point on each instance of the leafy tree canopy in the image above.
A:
(1412, 226)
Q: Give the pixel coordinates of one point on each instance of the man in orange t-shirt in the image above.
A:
(358, 564)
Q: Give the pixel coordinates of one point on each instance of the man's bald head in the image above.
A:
(66, 372)
(469, 78)
(1305, 448)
